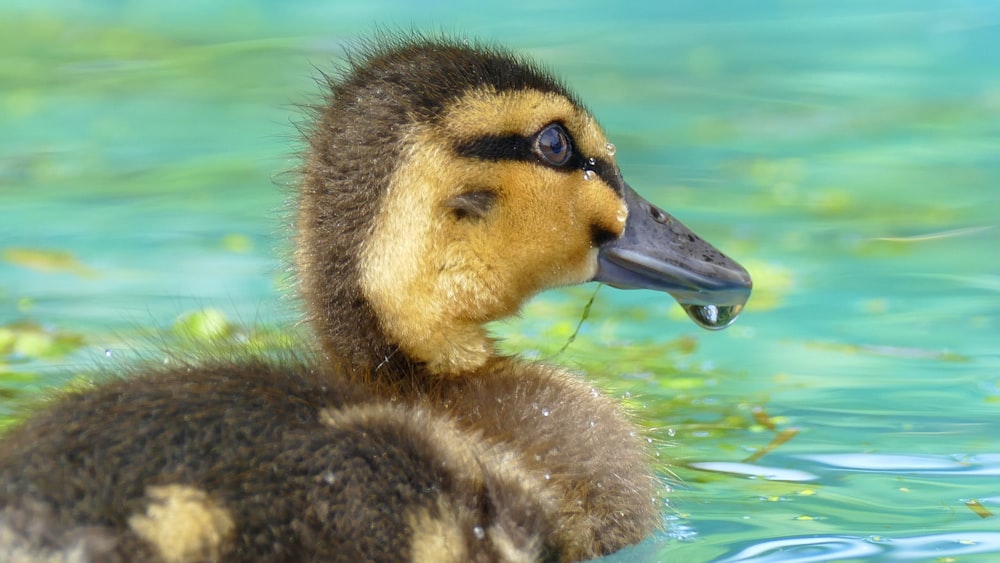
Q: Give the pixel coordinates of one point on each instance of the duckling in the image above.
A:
(443, 185)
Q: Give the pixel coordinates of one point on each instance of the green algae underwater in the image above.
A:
(847, 154)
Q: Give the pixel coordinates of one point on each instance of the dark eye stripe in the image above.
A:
(605, 171)
(495, 148)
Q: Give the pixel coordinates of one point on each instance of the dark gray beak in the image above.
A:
(657, 252)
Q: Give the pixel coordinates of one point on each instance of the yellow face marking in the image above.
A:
(183, 524)
(435, 279)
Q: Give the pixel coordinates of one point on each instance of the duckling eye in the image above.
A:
(552, 145)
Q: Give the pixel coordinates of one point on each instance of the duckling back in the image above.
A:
(258, 462)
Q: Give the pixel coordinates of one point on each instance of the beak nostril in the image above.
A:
(658, 216)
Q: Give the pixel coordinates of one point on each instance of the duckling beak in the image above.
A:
(658, 252)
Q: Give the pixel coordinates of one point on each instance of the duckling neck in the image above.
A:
(350, 335)
(355, 341)
(382, 334)
(347, 326)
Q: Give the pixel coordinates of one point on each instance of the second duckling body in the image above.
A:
(443, 186)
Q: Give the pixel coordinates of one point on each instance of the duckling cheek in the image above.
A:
(608, 211)
(539, 240)
(590, 214)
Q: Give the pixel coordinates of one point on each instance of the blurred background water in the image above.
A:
(848, 153)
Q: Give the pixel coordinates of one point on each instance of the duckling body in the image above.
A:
(281, 462)
(443, 185)
(264, 462)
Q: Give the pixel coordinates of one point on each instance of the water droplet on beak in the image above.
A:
(712, 317)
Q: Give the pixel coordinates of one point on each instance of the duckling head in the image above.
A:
(445, 184)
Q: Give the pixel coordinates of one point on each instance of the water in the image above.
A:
(846, 153)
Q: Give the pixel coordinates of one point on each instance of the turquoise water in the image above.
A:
(847, 153)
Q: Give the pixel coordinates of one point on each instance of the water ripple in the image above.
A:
(815, 549)
(754, 471)
(983, 464)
